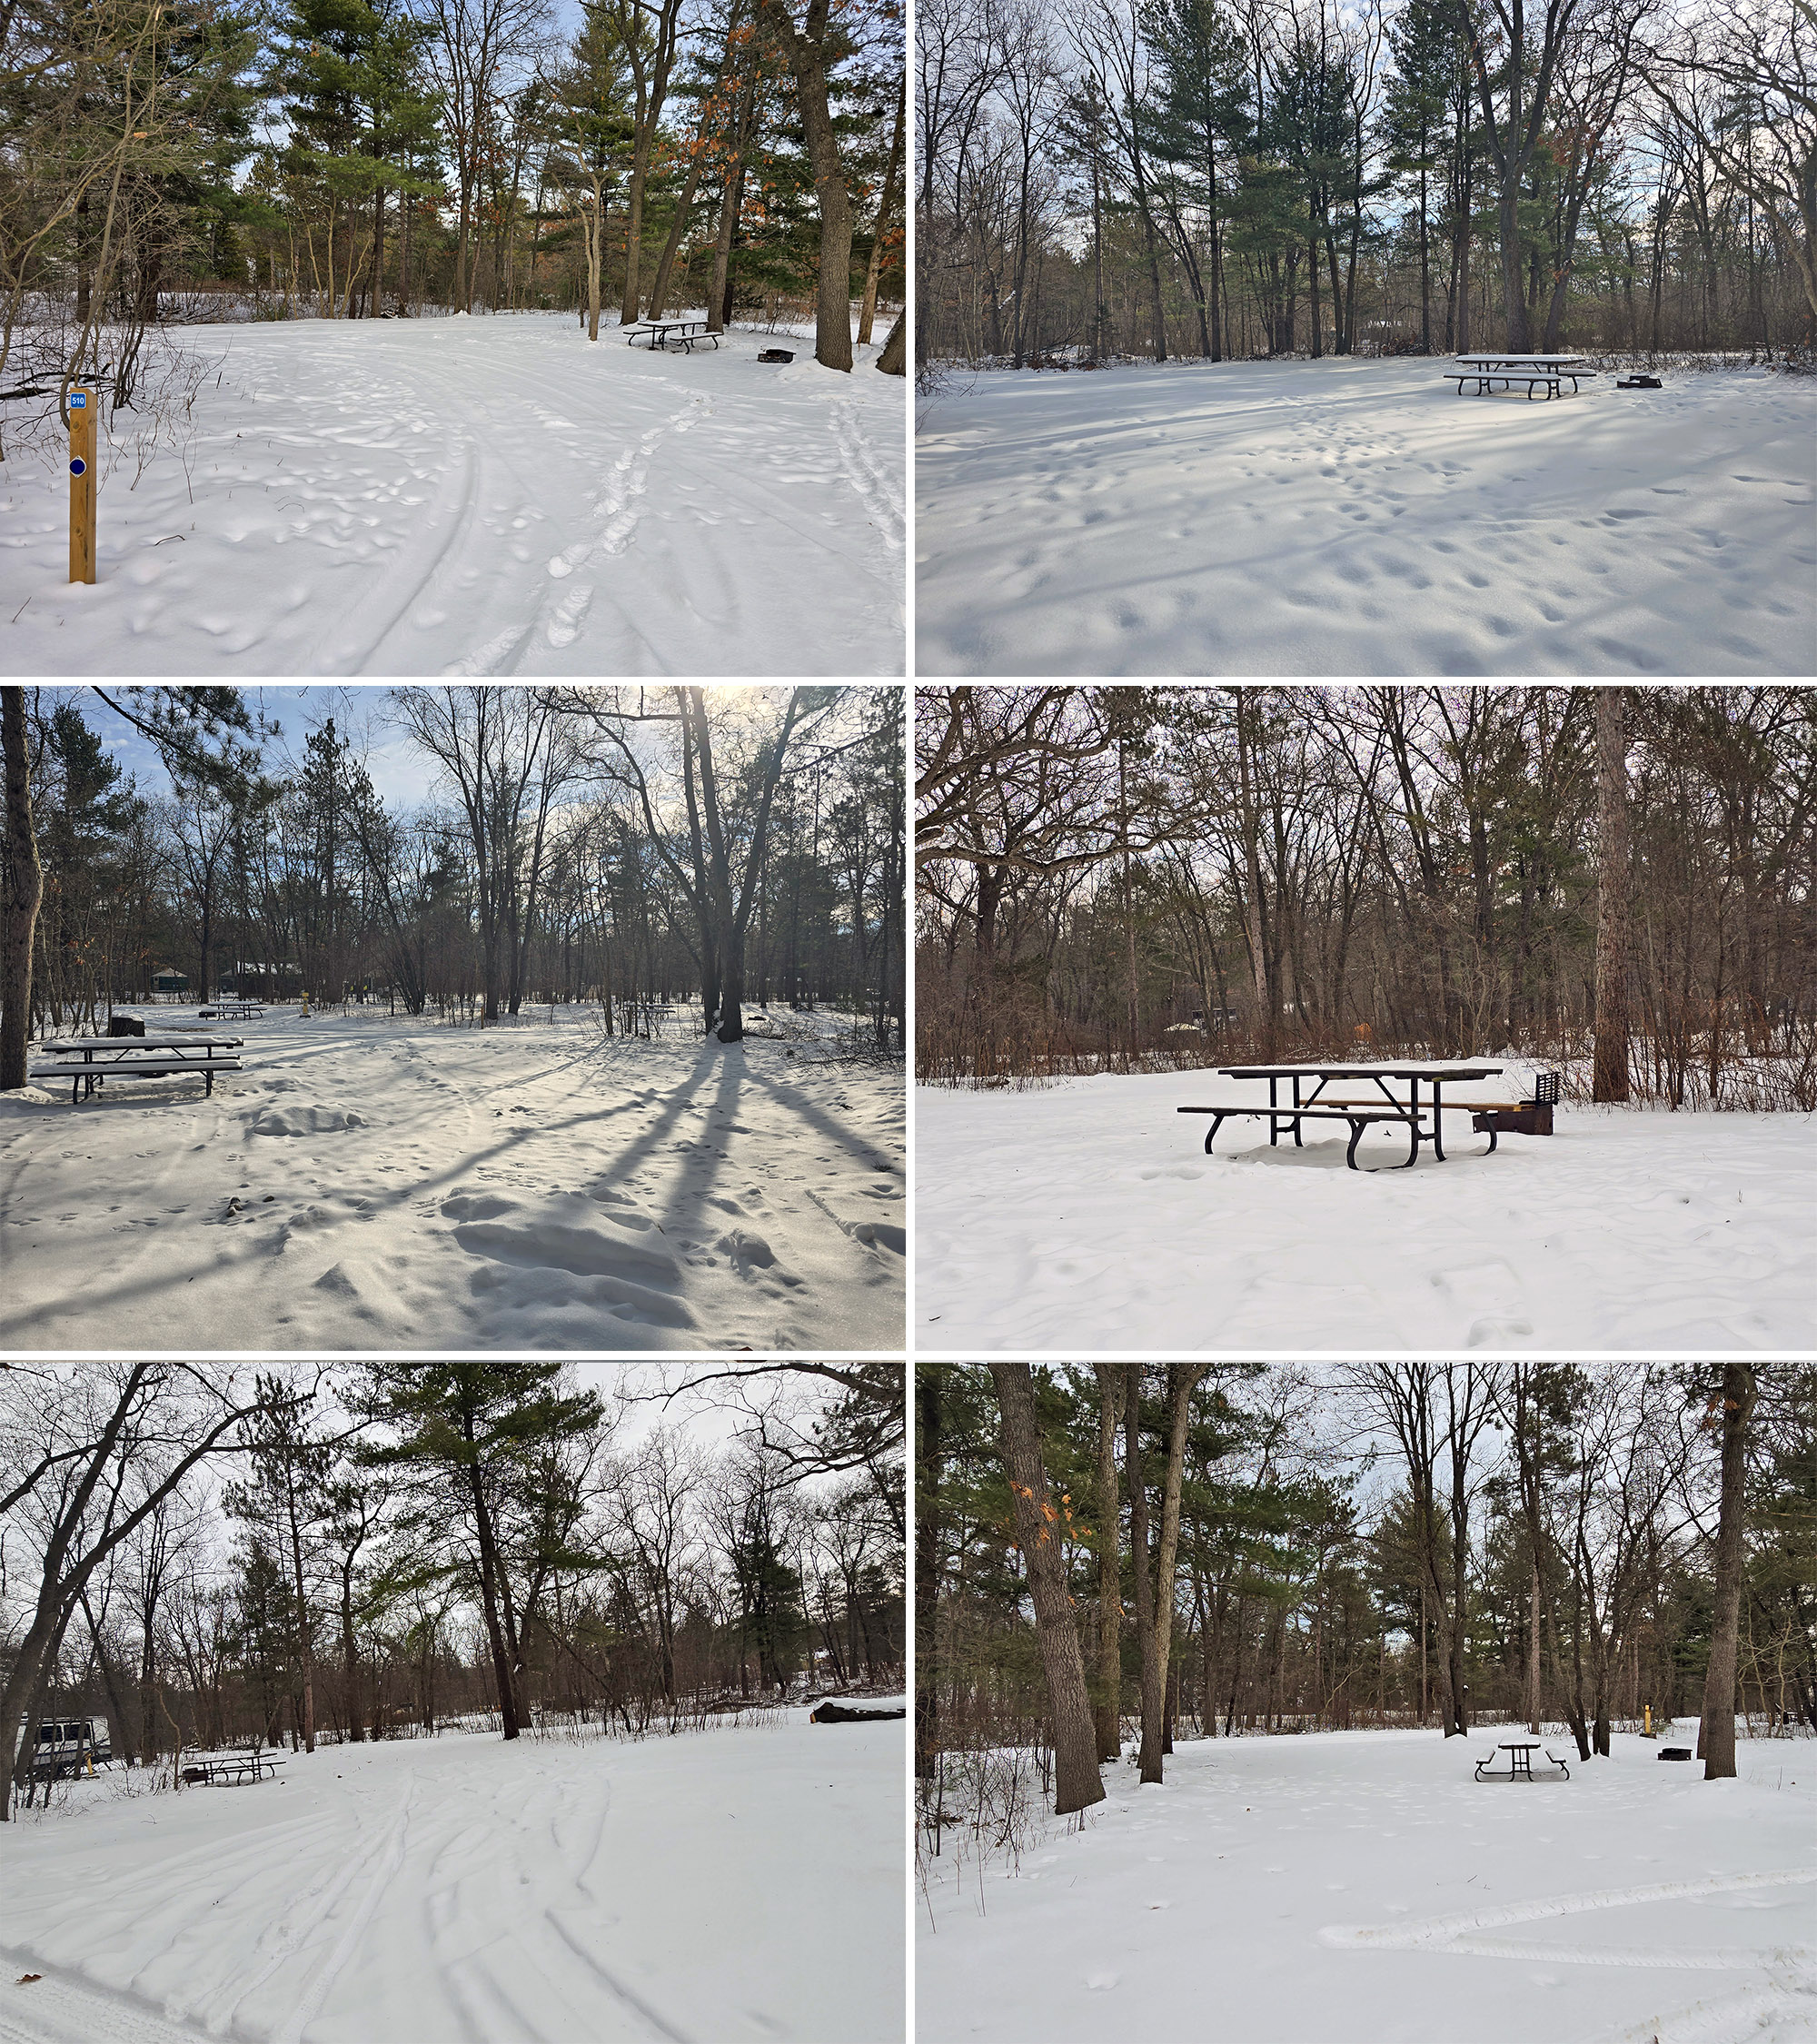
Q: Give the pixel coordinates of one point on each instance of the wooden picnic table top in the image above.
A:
(1447, 1073)
(1510, 355)
(130, 1044)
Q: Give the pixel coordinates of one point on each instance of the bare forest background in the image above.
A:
(206, 1556)
(1237, 178)
(1621, 882)
(165, 162)
(631, 849)
(1148, 1552)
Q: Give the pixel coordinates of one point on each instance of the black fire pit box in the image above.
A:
(1532, 1118)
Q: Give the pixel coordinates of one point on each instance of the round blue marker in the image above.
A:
(77, 465)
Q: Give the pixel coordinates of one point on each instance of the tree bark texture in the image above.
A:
(1609, 1078)
(1076, 1778)
(1718, 1738)
(24, 888)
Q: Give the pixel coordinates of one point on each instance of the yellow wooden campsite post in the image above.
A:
(82, 410)
(1649, 1722)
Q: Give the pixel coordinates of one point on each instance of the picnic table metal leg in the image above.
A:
(1438, 1119)
(1274, 1126)
(1217, 1123)
(1357, 1128)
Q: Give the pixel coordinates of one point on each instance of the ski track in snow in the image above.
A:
(364, 1181)
(1251, 1843)
(483, 497)
(422, 1892)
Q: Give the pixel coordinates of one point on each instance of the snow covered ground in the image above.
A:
(740, 1884)
(1362, 1885)
(1347, 517)
(482, 496)
(1085, 1216)
(367, 1183)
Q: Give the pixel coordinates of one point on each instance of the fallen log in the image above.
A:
(842, 1713)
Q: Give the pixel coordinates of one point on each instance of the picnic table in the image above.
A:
(1385, 1105)
(663, 333)
(1536, 372)
(88, 1062)
(1520, 1752)
(232, 1011)
(211, 1770)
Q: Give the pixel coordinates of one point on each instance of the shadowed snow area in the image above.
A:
(1086, 1215)
(375, 1183)
(1351, 1885)
(1358, 518)
(740, 1883)
(482, 497)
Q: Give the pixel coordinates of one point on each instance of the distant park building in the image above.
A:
(164, 981)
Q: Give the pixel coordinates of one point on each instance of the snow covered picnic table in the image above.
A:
(658, 333)
(1359, 1114)
(1486, 371)
(213, 1769)
(105, 1057)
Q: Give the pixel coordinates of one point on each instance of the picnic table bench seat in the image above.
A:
(1536, 372)
(1359, 1120)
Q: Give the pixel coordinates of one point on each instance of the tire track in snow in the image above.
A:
(295, 1926)
(1452, 1933)
(658, 2026)
(457, 531)
(876, 490)
(57, 2009)
(389, 1859)
(1745, 2016)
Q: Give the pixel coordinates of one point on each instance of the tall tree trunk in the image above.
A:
(1136, 1477)
(1609, 1079)
(659, 291)
(495, 1638)
(24, 890)
(885, 206)
(926, 1565)
(893, 359)
(1112, 1381)
(807, 56)
(1532, 1658)
(1076, 1778)
(1182, 1377)
(1717, 1737)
